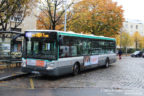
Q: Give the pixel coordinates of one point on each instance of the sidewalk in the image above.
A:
(10, 73)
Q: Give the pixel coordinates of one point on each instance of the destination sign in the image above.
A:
(37, 35)
(40, 35)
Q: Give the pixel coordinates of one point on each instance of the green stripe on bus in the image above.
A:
(86, 36)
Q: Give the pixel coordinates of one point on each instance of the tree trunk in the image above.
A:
(53, 26)
(126, 51)
(136, 44)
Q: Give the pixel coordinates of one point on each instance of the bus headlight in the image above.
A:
(50, 66)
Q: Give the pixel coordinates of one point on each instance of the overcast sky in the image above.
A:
(133, 9)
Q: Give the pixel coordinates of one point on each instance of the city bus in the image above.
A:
(55, 53)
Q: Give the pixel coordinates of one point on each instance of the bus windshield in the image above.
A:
(41, 49)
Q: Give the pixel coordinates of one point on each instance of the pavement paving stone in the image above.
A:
(127, 73)
(9, 71)
(70, 92)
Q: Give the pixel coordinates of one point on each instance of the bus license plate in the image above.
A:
(35, 72)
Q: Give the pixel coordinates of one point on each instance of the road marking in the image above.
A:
(31, 83)
(13, 74)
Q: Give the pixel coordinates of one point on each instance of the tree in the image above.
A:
(52, 14)
(117, 37)
(137, 38)
(99, 17)
(43, 22)
(13, 8)
(126, 40)
(141, 44)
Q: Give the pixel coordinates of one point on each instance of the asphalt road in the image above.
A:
(123, 78)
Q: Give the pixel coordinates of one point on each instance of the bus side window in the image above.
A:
(73, 50)
(64, 51)
(107, 47)
(86, 47)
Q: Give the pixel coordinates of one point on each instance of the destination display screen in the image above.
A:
(40, 35)
(48, 35)
(37, 35)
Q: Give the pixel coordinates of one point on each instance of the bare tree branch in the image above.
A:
(54, 11)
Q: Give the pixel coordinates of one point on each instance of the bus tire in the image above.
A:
(76, 69)
(107, 63)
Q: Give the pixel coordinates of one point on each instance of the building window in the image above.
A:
(16, 18)
(126, 25)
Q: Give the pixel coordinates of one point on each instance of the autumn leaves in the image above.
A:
(99, 17)
(125, 40)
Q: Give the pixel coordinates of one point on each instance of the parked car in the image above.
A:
(137, 54)
(143, 54)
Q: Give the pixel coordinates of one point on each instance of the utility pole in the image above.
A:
(65, 16)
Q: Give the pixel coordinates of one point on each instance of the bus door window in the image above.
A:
(33, 47)
(36, 48)
(29, 47)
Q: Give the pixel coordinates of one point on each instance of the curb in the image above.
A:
(10, 77)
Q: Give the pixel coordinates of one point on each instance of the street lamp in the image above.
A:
(65, 15)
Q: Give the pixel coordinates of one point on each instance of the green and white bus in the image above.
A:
(55, 53)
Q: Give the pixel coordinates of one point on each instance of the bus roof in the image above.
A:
(85, 36)
(70, 33)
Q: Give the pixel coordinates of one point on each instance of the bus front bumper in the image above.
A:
(41, 71)
(44, 71)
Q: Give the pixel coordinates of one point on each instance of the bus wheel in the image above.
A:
(75, 69)
(107, 64)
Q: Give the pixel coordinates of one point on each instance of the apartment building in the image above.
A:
(29, 22)
(131, 26)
